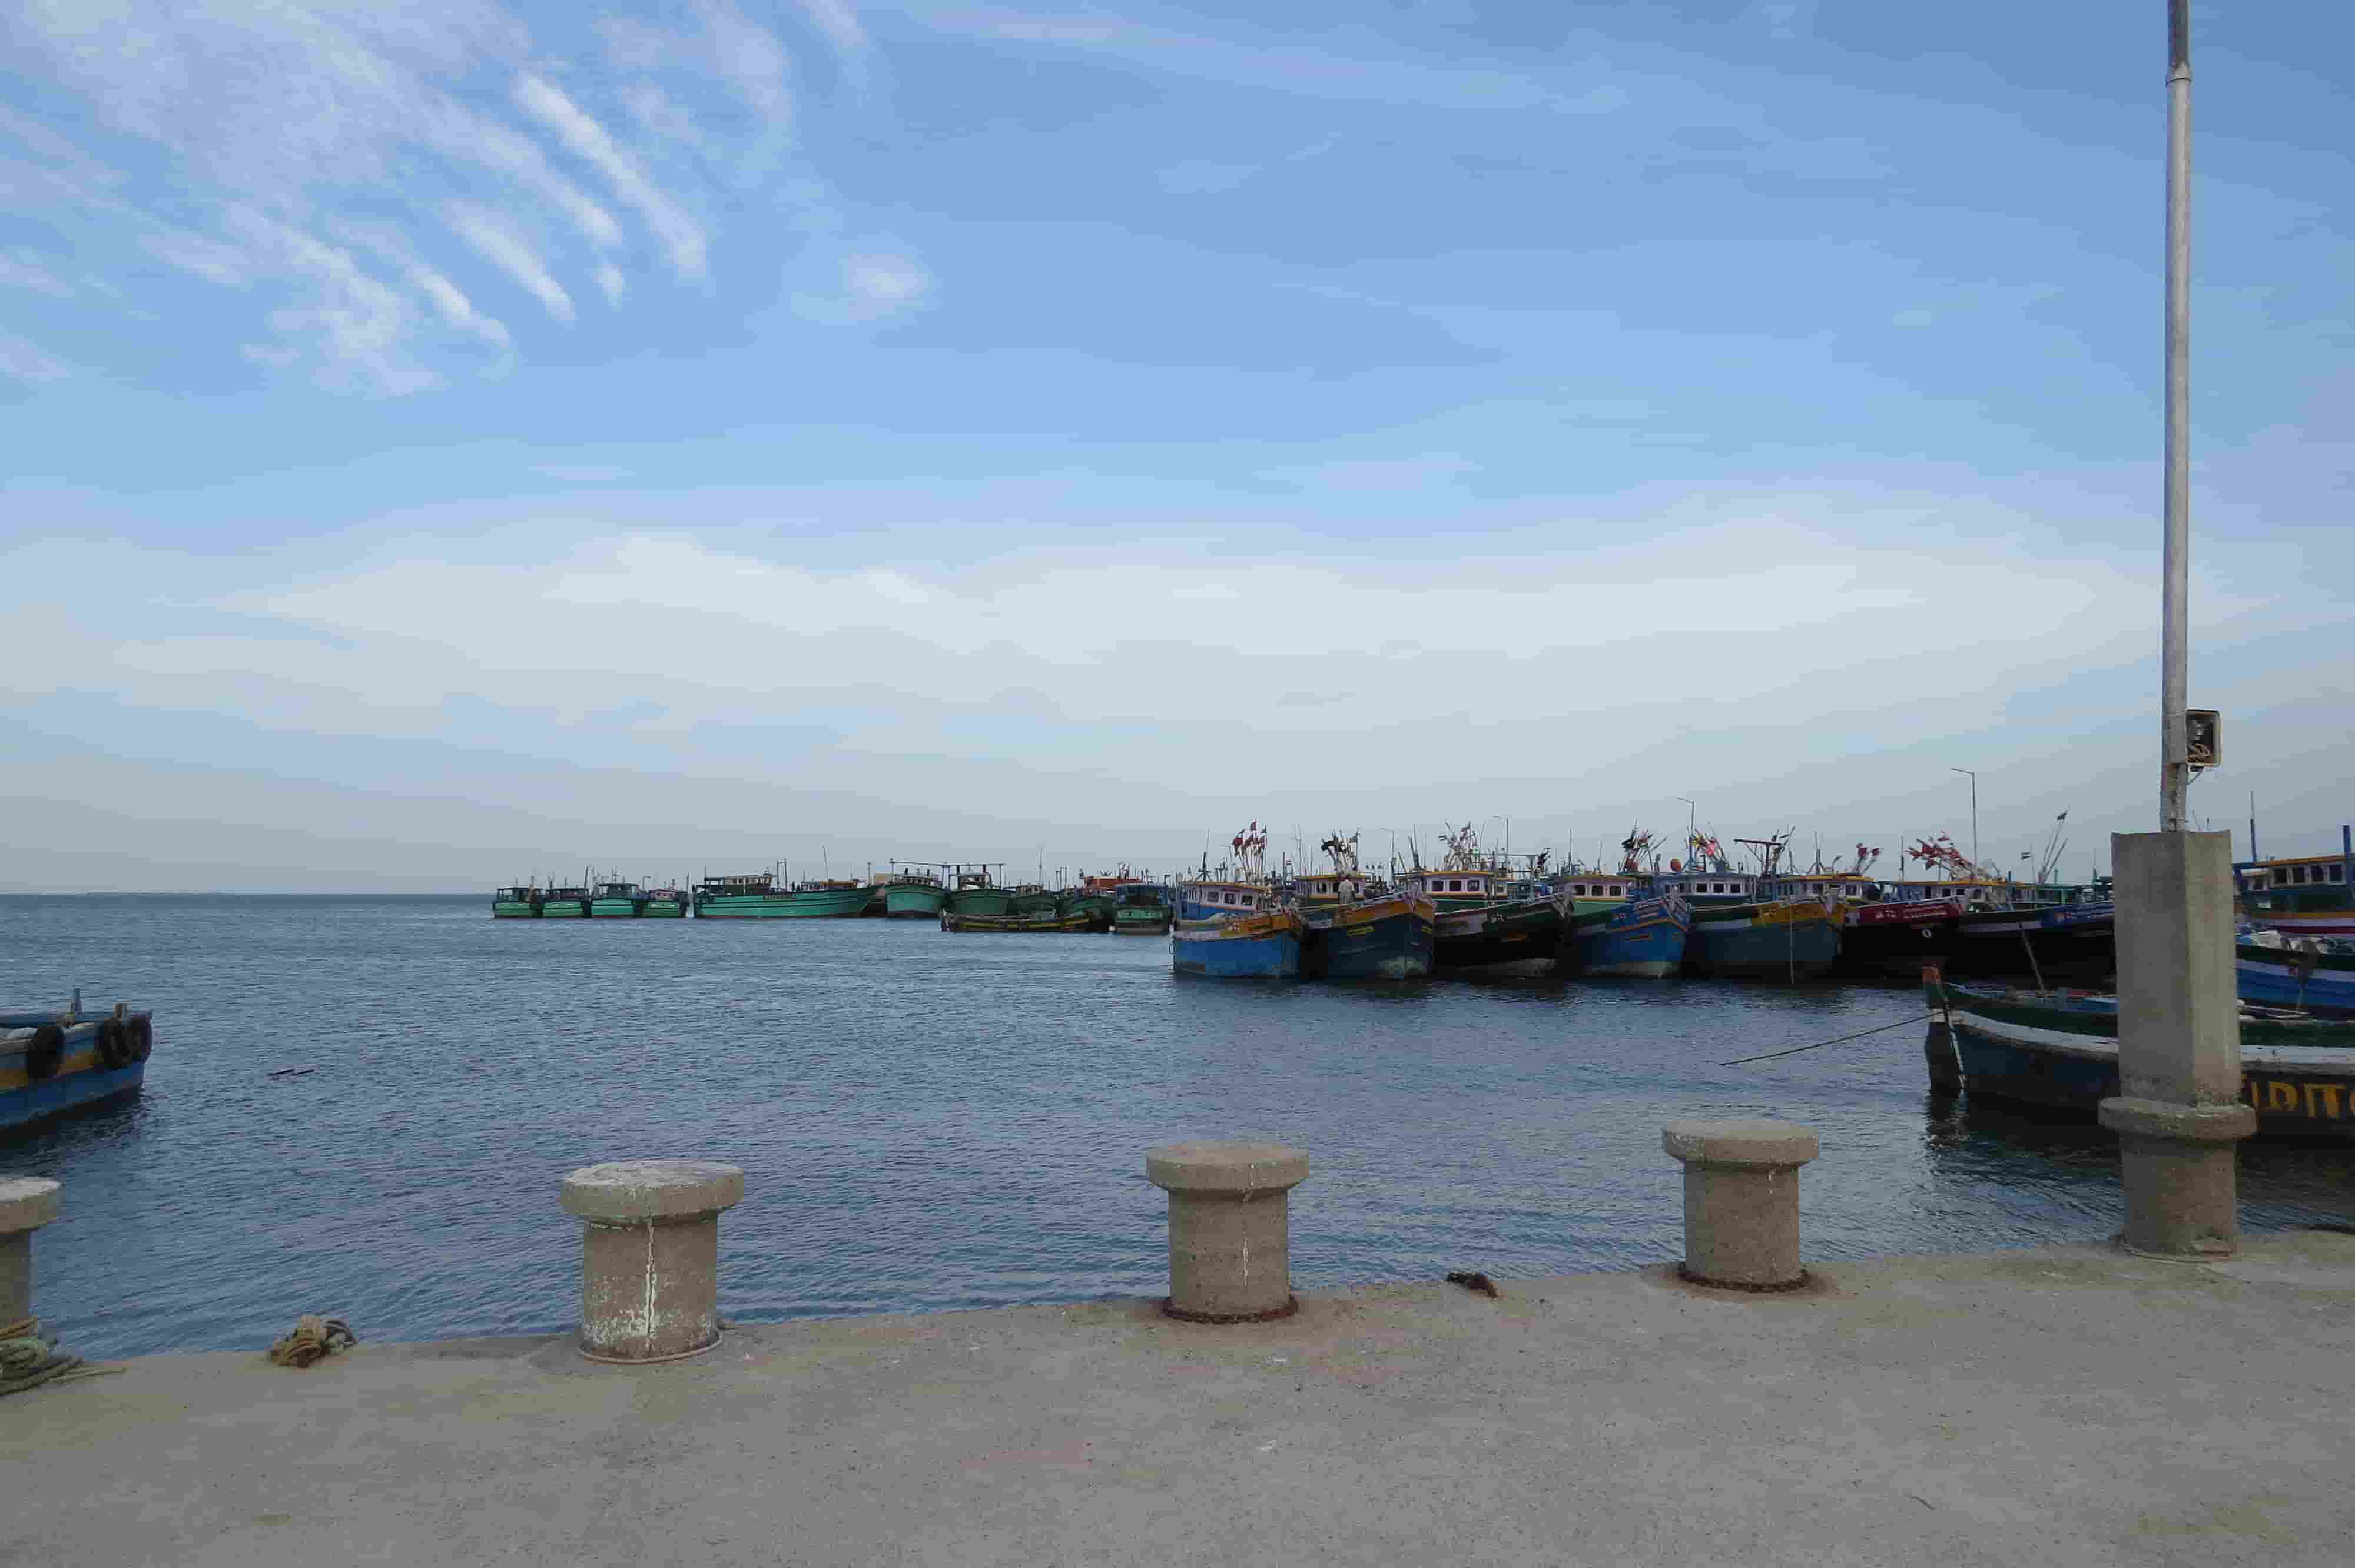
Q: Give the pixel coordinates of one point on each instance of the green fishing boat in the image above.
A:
(755, 896)
(617, 901)
(1031, 898)
(564, 904)
(515, 904)
(973, 892)
(1092, 905)
(1141, 910)
(665, 904)
(827, 900)
(913, 897)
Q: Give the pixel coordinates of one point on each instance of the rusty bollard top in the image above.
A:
(650, 1192)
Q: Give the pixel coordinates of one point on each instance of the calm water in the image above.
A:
(925, 1120)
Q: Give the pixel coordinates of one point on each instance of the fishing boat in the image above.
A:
(2058, 1049)
(1038, 922)
(617, 901)
(565, 902)
(971, 891)
(667, 903)
(828, 898)
(2301, 895)
(67, 1060)
(1265, 945)
(1519, 938)
(1142, 909)
(913, 896)
(1640, 937)
(1783, 940)
(1351, 931)
(515, 903)
(1092, 906)
(2309, 974)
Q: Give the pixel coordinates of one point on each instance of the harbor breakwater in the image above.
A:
(872, 1077)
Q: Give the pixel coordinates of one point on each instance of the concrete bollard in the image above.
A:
(650, 1255)
(1229, 1228)
(1742, 1200)
(26, 1204)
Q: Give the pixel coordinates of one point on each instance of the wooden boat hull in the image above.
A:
(1798, 940)
(1642, 939)
(1894, 941)
(81, 1081)
(2060, 1050)
(1048, 923)
(1505, 941)
(980, 901)
(2070, 945)
(908, 902)
(1133, 920)
(564, 909)
(2321, 983)
(513, 909)
(1378, 939)
(823, 903)
(665, 909)
(616, 908)
(1238, 947)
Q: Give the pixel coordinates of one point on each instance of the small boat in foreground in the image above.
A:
(2311, 974)
(2058, 1049)
(62, 1061)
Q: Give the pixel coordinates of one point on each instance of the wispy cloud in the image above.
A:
(499, 244)
(20, 360)
(875, 287)
(682, 237)
(841, 26)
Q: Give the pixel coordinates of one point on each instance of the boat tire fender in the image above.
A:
(143, 1037)
(45, 1052)
(113, 1044)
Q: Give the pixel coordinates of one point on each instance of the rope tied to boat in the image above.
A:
(313, 1339)
(1819, 1044)
(29, 1358)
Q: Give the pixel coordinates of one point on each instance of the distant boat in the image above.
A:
(1260, 946)
(2311, 974)
(515, 904)
(829, 899)
(2302, 895)
(1142, 909)
(754, 896)
(1520, 939)
(665, 904)
(1042, 922)
(1034, 899)
(1643, 937)
(974, 893)
(564, 904)
(59, 1062)
(913, 896)
(2058, 1049)
(617, 901)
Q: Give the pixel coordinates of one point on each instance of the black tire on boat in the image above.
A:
(143, 1038)
(45, 1052)
(113, 1044)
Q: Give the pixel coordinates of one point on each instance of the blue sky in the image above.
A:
(460, 439)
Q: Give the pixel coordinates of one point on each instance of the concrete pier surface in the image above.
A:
(2061, 1406)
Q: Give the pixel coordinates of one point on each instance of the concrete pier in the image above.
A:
(2063, 1407)
(2179, 1113)
(650, 1255)
(1230, 1227)
(26, 1204)
(1742, 1200)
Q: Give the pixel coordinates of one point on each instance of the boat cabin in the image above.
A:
(2298, 885)
(1591, 886)
(1210, 900)
(738, 887)
(1455, 889)
(1827, 886)
(617, 890)
(1696, 884)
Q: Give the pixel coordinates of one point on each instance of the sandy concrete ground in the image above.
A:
(2060, 1406)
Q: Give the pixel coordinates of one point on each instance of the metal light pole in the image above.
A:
(1692, 826)
(2175, 768)
(1974, 811)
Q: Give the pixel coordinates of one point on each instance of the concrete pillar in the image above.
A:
(650, 1255)
(1229, 1228)
(1742, 1200)
(26, 1204)
(2179, 1110)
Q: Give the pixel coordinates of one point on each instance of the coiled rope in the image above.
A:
(29, 1358)
(313, 1339)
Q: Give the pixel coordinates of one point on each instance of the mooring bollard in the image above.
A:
(26, 1204)
(650, 1255)
(1742, 1200)
(1229, 1228)
(1938, 1046)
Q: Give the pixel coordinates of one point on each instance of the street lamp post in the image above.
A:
(2175, 769)
(1692, 825)
(1974, 811)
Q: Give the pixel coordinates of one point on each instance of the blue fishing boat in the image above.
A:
(2059, 1050)
(1264, 946)
(1644, 938)
(55, 1062)
(2311, 974)
(1389, 937)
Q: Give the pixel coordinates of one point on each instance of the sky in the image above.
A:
(452, 442)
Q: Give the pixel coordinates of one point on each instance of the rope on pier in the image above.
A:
(313, 1339)
(1819, 1044)
(29, 1358)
